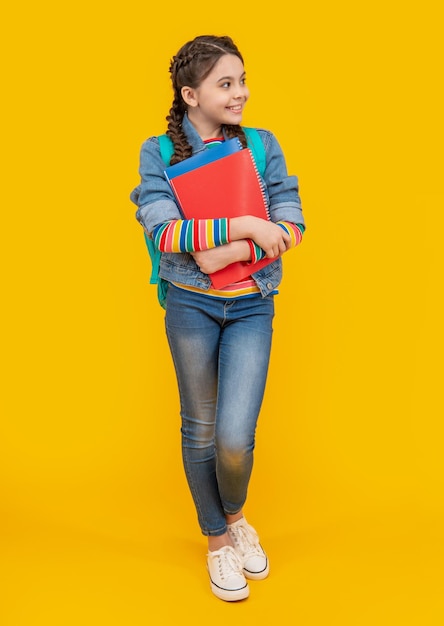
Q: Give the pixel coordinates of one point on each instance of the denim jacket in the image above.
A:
(156, 204)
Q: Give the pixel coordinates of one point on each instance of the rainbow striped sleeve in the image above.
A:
(256, 251)
(191, 235)
(294, 230)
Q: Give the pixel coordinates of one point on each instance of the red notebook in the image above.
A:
(227, 187)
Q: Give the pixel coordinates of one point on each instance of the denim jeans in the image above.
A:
(221, 351)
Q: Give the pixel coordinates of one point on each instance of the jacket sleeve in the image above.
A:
(154, 198)
(282, 190)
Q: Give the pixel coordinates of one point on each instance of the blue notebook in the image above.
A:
(203, 158)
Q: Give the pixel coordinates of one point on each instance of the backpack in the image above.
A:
(166, 150)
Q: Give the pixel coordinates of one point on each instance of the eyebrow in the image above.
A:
(231, 77)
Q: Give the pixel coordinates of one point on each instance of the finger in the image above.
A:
(282, 246)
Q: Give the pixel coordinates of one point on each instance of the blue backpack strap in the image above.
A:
(166, 148)
(155, 259)
(257, 147)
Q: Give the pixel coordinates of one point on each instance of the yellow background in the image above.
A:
(97, 525)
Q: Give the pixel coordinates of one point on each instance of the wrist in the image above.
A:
(240, 227)
(241, 250)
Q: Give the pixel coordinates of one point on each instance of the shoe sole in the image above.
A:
(256, 575)
(230, 595)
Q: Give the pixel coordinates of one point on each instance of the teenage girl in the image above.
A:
(220, 340)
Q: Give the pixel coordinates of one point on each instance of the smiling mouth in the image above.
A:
(235, 109)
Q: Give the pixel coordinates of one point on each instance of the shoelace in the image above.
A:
(246, 541)
(228, 563)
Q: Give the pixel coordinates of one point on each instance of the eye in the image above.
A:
(226, 85)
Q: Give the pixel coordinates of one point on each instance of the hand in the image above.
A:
(273, 240)
(215, 259)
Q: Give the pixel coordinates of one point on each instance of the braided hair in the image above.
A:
(189, 67)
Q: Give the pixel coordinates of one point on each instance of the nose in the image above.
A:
(241, 91)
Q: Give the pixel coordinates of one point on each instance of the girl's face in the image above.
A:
(219, 99)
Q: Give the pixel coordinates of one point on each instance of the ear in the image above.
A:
(189, 96)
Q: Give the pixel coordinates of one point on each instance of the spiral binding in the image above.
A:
(261, 185)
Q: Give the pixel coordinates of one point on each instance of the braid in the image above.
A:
(180, 61)
(236, 131)
(189, 67)
(182, 149)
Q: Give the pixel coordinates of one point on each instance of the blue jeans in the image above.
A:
(221, 351)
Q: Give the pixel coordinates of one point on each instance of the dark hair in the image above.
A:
(189, 67)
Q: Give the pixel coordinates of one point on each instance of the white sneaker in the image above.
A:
(226, 577)
(246, 543)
